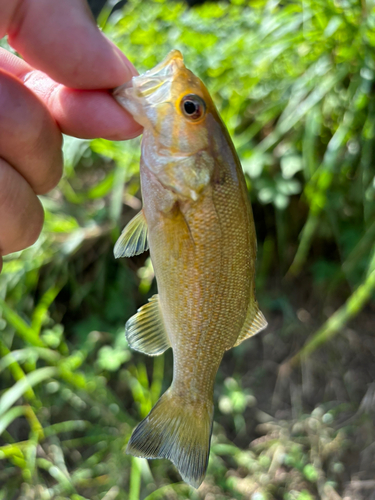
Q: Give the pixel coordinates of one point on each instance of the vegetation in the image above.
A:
(294, 82)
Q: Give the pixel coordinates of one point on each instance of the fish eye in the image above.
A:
(193, 106)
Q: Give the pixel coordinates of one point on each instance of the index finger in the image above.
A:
(61, 39)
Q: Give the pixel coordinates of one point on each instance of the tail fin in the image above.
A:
(179, 431)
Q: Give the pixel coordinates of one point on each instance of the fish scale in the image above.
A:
(197, 221)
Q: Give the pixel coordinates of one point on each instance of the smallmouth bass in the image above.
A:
(197, 221)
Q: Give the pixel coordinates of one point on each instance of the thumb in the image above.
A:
(61, 39)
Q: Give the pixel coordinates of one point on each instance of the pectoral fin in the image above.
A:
(145, 331)
(255, 322)
(133, 239)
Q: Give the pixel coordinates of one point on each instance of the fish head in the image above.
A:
(172, 104)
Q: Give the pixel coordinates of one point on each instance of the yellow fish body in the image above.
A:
(197, 221)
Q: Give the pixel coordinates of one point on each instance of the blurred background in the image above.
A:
(295, 405)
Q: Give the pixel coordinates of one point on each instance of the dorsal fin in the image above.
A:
(255, 322)
(133, 239)
(145, 331)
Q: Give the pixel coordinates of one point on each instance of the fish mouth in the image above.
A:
(152, 87)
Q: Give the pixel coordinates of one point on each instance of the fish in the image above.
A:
(197, 222)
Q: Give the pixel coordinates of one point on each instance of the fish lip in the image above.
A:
(141, 93)
(124, 95)
(117, 91)
(153, 86)
(123, 92)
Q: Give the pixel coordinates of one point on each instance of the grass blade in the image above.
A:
(11, 415)
(335, 323)
(34, 378)
(135, 479)
(23, 330)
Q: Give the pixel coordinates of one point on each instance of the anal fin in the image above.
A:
(133, 239)
(145, 331)
(255, 322)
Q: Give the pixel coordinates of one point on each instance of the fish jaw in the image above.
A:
(155, 99)
(142, 95)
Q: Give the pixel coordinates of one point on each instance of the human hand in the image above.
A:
(58, 87)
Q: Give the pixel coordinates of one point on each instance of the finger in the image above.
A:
(61, 39)
(85, 114)
(21, 211)
(29, 138)
(13, 64)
